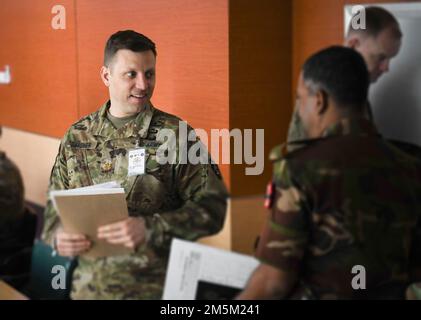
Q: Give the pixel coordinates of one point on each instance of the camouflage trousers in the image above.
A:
(98, 281)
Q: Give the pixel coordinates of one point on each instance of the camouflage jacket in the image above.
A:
(176, 200)
(348, 198)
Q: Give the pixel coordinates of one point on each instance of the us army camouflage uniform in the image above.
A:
(348, 198)
(185, 201)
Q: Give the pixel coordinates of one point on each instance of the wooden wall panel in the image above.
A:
(192, 63)
(260, 79)
(42, 97)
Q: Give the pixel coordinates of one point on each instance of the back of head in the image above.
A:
(127, 39)
(377, 19)
(342, 74)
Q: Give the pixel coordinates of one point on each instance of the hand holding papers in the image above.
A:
(83, 210)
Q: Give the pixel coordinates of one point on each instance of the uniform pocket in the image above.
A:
(79, 166)
(147, 195)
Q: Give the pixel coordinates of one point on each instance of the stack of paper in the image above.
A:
(199, 272)
(83, 210)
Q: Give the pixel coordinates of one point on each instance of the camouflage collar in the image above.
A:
(138, 127)
(354, 126)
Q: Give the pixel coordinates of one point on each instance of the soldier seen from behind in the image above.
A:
(347, 198)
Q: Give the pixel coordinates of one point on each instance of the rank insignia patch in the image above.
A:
(106, 166)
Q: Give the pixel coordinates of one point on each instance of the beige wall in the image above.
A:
(247, 217)
(34, 155)
(222, 239)
(244, 221)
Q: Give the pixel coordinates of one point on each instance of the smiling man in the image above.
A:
(164, 200)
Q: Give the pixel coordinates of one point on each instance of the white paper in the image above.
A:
(105, 185)
(190, 262)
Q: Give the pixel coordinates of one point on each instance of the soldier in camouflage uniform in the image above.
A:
(378, 43)
(348, 198)
(187, 201)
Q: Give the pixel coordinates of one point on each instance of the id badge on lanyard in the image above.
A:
(136, 162)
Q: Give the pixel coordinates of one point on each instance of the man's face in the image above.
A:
(130, 78)
(306, 108)
(378, 52)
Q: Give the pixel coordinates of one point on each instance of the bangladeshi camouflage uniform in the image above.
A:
(348, 198)
(176, 200)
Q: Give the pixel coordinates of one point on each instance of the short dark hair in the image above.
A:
(127, 39)
(342, 73)
(377, 19)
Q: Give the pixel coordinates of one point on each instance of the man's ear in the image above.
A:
(321, 101)
(105, 75)
(352, 42)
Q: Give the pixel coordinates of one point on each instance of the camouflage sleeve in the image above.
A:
(58, 181)
(284, 236)
(204, 195)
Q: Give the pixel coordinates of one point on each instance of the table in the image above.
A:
(9, 293)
